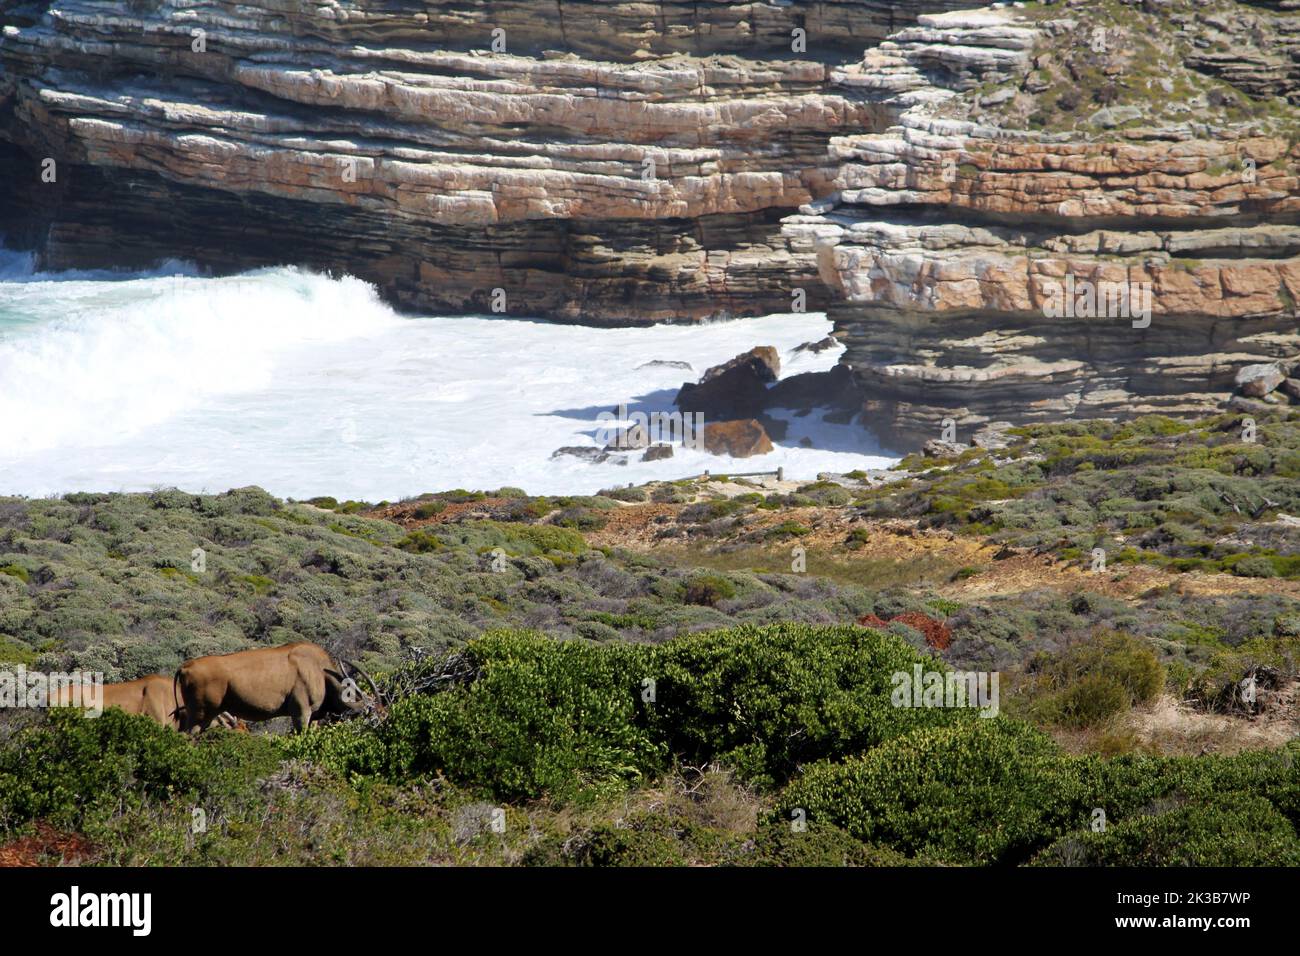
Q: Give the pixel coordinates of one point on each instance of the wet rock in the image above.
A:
(833, 389)
(821, 345)
(657, 453)
(665, 363)
(735, 389)
(629, 438)
(742, 438)
(585, 452)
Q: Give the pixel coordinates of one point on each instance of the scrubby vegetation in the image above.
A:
(561, 752)
(674, 675)
(112, 583)
(1104, 65)
(1184, 496)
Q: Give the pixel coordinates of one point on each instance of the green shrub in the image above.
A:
(707, 590)
(983, 791)
(634, 494)
(777, 843)
(543, 718)
(1234, 829)
(421, 542)
(788, 529)
(583, 519)
(857, 539)
(15, 652)
(69, 766)
(768, 699)
(1252, 567)
(826, 493)
(642, 840)
(1093, 679)
(1086, 702)
(429, 509)
(559, 718)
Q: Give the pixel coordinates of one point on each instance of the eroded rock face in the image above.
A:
(612, 162)
(1132, 263)
(1256, 381)
(947, 184)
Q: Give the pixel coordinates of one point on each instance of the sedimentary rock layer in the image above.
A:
(932, 177)
(610, 162)
(1110, 260)
(968, 319)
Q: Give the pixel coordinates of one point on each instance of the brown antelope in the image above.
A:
(151, 696)
(301, 681)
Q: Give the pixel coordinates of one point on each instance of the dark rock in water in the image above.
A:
(819, 346)
(657, 453)
(776, 428)
(586, 452)
(841, 416)
(805, 442)
(833, 389)
(743, 438)
(665, 363)
(735, 389)
(629, 438)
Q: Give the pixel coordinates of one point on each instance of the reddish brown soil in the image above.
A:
(937, 634)
(47, 847)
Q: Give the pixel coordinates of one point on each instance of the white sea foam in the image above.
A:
(306, 385)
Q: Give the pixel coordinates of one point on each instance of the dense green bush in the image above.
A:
(777, 843)
(985, 791)
(707, 590)
(542, 718)
(633, 494)
(1235, 829)
(826, 493)
(641, 840)
(68, 766)
(557, 718)
(767, 699)
(997, 791)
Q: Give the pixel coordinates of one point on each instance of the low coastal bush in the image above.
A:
(1236, 829)
(998, 791)
(558, 718)
(802, 714)
(68, 767)
(1092, 680)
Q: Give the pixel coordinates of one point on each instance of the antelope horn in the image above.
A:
(378, 696)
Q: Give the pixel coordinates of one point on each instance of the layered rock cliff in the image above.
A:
(1076, 216)
(932, 177)
(610, 162)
